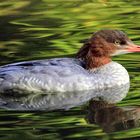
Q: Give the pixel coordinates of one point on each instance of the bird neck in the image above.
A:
(95, 62)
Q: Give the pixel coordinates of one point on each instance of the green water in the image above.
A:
(38, 29)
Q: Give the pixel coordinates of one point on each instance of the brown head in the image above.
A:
(97, 51)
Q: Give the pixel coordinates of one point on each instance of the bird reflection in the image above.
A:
(112, 118)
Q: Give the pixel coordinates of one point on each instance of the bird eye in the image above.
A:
(117, 42)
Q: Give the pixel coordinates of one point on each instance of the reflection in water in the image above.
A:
(62, 100)
(112, 118)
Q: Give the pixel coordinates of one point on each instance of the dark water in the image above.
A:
(37, 29)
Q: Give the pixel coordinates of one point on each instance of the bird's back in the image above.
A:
(42, 75)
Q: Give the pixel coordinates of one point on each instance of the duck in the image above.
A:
(67, 82)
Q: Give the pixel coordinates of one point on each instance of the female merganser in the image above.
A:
(67, 82)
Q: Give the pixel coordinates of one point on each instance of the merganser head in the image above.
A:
(97, 51)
